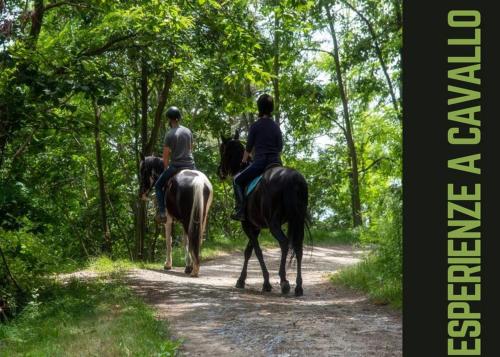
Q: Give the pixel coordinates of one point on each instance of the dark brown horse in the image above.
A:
(280, 197)
(188, 199)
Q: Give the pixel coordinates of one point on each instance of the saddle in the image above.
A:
(169, 182)
(251, 186)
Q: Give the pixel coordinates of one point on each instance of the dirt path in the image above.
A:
(216, 319)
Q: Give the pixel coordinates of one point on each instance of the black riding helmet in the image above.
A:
(174, 113)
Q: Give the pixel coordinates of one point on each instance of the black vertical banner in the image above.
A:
(451, 99)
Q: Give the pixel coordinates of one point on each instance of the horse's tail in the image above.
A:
(199, 213)
(296, 205)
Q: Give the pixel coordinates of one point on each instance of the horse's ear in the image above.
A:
(223, 138)
(142, 157)
(236, 134)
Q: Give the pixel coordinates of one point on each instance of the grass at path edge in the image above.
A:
(93, 317)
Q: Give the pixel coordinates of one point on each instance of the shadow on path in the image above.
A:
(216, 319)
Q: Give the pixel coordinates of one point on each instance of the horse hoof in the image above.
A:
(285, 287)
(299, 291)
(188, 270)
(267, 287)
(195, 271)
(240, 284)
(167, 267)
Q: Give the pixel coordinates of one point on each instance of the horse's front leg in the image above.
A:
(168, 238)
(240, 284)
(187, 255)
(253, 234)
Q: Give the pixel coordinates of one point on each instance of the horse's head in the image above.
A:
(231, 153)
(150, 169)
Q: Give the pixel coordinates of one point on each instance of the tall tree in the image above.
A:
(347, 124)
(106, 242)
(276, 61)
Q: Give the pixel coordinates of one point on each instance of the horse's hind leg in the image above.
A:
(283, 241)
(187, 256)
(240, 284)
(298, 254)
(296, 234)
(253, 233)
(168, 238)
(195, 260)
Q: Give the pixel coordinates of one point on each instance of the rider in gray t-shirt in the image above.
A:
(177, 155)
(179, 140)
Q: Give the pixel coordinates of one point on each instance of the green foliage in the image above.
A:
(367, 276)
(342, 236)
(31, 260)
(381, 273)
(86, 318)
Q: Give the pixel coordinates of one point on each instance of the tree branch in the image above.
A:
(106, 47)
(162, 101)
(375, 162)
(340, 126)
(62, 3)
(8, 271)
(318, 50)
(24, 145)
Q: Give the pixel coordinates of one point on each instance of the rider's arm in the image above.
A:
(166, 156)
(245, 157)
(280, 140)
(250, 144)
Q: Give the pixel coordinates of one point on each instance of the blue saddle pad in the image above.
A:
(251, 186)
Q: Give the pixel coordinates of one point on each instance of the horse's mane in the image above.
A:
(153, 164)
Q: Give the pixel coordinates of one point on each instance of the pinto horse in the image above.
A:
(281, 196)
(188, 199)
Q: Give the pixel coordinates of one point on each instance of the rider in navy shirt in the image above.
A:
(266, 140)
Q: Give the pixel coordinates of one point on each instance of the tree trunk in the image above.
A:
(106, 244)
(152, 248)
(276, 65)
(4, 132)
(351, 147)
(36, 21)
(144, 105)
(399, 21)
(141, 205)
